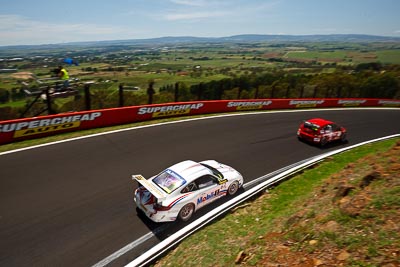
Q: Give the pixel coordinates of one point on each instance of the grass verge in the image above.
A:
(343, 212)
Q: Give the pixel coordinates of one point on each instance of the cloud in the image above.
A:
(202, 9)
(194, 15)
(15, 29)
(17, 23)
(189, 2)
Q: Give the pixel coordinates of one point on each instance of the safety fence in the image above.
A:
(36, 127)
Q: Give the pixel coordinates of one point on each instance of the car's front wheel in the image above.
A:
(233, 188)
(343, 138)
(323, 141)
(186, 212)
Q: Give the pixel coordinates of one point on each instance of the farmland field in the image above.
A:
(109, 67)
(389, 56)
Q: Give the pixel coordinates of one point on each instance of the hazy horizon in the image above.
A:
(24, 22)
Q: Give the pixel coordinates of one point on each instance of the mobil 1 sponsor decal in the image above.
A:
(40, 126)
(305, 103)
(248, 105)
(169, 110)
(208, 196)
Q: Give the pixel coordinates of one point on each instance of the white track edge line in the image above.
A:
(161, 247)
(186, 120)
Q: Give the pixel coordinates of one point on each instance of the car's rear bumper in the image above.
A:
(309, 137)
(154, 215)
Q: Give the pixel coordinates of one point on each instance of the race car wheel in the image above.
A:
(186, 212)
(343, 138)
(324, 141)
(233, 188)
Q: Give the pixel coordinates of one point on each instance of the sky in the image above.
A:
(32, 22)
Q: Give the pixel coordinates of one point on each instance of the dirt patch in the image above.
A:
(350, 219)
(22, 75)
(355, 222)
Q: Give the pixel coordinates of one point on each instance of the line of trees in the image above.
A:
(366, 81)
(13, 94)
(364, 84)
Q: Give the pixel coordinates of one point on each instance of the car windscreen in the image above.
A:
(169, 180)
(311, 126)
(214, 170)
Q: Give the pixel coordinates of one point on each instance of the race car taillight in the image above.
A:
(160, 207)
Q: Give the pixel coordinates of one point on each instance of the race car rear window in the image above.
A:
(311, 126)
(169, 181)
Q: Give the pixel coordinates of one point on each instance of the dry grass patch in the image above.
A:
(337, 214)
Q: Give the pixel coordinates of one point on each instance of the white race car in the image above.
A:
(182, 189)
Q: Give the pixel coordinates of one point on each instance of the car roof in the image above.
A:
(319, 121)
(190, 170)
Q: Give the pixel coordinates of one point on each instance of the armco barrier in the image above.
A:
(175, 238)
(30, 128)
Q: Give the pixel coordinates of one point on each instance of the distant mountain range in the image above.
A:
(252, 38)
(244, 38)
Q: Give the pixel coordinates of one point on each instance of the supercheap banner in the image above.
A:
(29, 128)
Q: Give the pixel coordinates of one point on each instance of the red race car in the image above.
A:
(320, 131)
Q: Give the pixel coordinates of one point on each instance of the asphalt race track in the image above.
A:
(70, 204)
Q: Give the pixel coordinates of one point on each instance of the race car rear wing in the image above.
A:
(160, 195)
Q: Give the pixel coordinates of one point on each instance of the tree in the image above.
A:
(17, 94)
(9, 113)
(150, 92)
(375, 66)
(381, 86)
(4, 95)
(184, 92)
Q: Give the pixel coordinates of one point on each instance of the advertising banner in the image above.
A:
(29, 128)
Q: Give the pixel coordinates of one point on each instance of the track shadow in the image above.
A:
(329, 145)
(165, 229)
